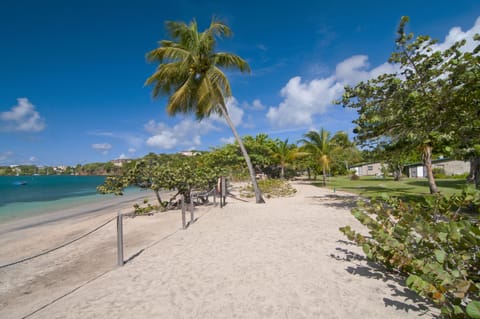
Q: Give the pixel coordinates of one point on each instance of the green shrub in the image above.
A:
(144, 210)
(439, 172)
(435, 244)
(270, 188)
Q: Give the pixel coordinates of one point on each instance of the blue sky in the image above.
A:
(72, 73)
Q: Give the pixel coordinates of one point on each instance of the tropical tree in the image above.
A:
(319, 146)
(285, 154)
(189, 73)
(260, 150)
(344, 152)
(410, 109)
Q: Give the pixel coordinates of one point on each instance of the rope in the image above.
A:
(58, 247)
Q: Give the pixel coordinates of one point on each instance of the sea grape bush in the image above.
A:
(435, 244)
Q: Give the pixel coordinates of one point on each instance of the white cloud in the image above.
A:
(303, 100)
(352, 70)
(355, 69)
(103, 148)
(122, 156)
(22, 118)
(33, 159)
(131, 150)
(456, 34)
(255, 106)
(234, 111)
(186, 134)
(165, 140)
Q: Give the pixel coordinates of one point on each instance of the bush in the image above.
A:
(439, 172)
(354, 177)
(435, 244)
(271, 188)
(144, 210)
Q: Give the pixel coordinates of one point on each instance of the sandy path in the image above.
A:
(284, 259)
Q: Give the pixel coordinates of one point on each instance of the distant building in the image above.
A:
(450, 167)
(60, 169)
(120, 161)
(369, 169)
(190, 153)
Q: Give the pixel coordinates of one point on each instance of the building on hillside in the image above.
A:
(450, 167)
(190, 153)
(120, 161)
(369, 169)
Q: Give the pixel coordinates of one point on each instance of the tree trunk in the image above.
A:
(282, 171)
(474, 176)
(324, 177)
(256, 189)
(427, 161)
(157, 194)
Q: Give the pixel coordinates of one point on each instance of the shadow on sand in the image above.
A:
(335, 201)
(396, 282)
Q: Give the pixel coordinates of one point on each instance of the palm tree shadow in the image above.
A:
(411, 300)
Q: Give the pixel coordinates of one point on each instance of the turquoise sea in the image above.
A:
(24, 196)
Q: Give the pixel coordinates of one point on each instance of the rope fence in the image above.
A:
(58, 247)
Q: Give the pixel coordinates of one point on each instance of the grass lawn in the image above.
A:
(407, 188)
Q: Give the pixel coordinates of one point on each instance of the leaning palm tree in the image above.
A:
(189, 73)
(319, 145)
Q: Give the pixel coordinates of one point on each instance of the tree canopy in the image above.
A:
(418, 107)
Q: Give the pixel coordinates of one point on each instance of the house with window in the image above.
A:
(369, 169)
(448, 166)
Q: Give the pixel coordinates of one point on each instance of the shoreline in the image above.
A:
(282, 259)
(71, 208)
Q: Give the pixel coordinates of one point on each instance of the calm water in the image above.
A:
(42, 194)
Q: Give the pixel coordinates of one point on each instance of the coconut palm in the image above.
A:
(285, 154)
(189, 73)
(319, 145)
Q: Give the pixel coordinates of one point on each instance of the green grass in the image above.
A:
(407, 188)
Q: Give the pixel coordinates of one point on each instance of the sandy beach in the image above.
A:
(282, 259)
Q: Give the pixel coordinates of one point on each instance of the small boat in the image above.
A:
(20, 183)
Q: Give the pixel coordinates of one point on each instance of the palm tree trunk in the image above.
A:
(282, 171)
(256, 189)
(427, 161)
(324, 177)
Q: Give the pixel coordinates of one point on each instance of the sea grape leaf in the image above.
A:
(440, 255)
(473, 309)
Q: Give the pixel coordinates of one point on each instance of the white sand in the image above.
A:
(283, 259)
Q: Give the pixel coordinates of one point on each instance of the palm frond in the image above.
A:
(231, 61)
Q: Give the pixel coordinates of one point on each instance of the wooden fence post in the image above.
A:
(120, 261)
(184, 223)
(191, 208)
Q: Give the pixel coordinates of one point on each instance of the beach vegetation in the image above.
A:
(319, 145)
(175, 172)
(270, 188)
(435, 244)
(430, 104)
(189, 73)
(426, 230)
(285, 154)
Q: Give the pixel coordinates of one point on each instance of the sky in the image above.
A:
(72, 73)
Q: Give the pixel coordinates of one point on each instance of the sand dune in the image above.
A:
(283, 259)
